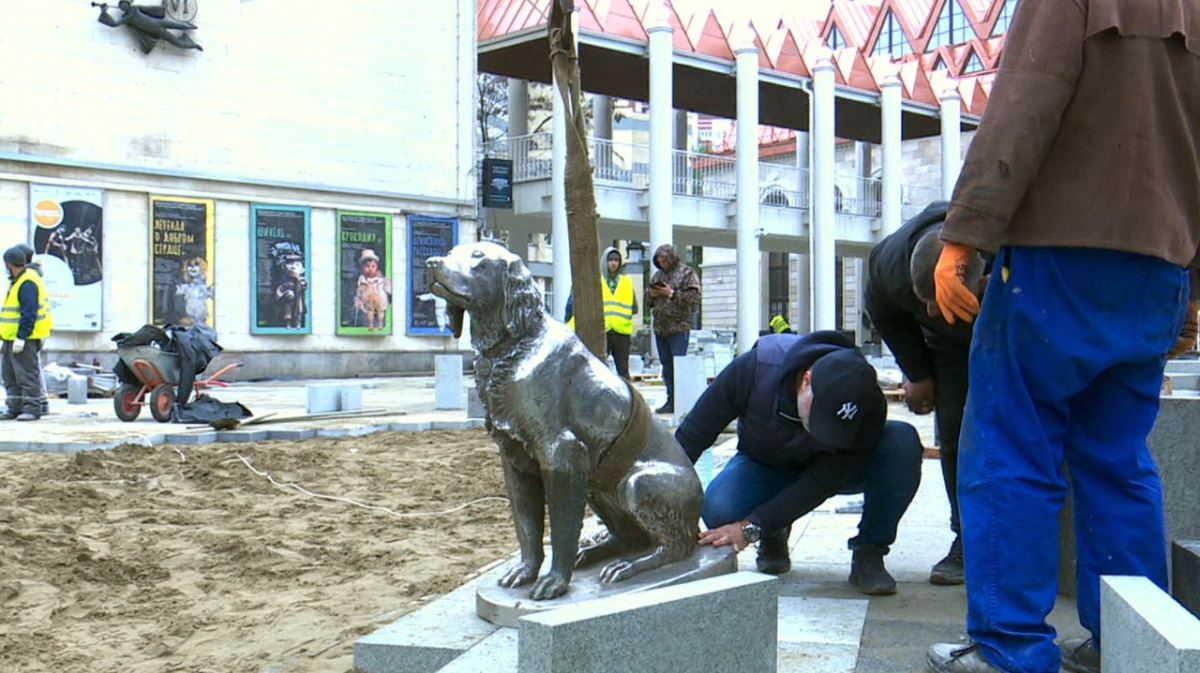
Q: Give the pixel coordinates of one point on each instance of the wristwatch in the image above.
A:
(751, 531)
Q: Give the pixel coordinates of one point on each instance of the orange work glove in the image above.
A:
(1187, 334)
(953, 297)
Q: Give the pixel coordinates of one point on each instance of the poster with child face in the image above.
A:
(364, 270)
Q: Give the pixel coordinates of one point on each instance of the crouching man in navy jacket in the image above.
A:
(812, 423)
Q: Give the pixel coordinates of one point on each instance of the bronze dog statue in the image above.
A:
(570, 432)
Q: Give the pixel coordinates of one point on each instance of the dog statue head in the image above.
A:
(490, 283)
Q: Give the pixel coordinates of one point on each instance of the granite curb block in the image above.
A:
(1145, 629)
(409, 426)
(192, 438)
(243, 435)
(356, 431)
(725, 623)
(463, 424)
(427, 639)
(293, 435)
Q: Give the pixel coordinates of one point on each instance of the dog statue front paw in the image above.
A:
(551, 585)
(618, 570)
(518, 575)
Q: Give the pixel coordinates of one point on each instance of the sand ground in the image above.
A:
(170, 558)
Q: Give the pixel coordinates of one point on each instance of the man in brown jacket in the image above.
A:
(1083, 181)
(674, 291)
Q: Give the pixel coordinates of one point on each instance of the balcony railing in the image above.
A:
(698, 174)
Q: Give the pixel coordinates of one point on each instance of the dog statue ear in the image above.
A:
(455, 313)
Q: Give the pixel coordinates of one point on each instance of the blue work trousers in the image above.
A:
(1066, 364)
(888, 482)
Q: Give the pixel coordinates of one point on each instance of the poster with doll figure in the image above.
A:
(279, 287)
(181, 261)
(67, 236)
(364, 273)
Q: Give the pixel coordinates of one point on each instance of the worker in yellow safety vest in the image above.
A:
(24, 324)
(620, 305)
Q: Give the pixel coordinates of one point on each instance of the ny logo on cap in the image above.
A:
(848, 410)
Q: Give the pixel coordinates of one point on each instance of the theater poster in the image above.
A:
(364, 273)
(67, 236)
(181, 261)
(427, 237)
(279, 291)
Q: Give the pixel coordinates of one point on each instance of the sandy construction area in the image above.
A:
(171, 558)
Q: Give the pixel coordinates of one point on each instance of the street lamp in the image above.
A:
(635, 252)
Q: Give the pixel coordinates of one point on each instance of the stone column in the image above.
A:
(822, 226)
(560, 239)
(518, 107)
(801, 318)
(893, 216)
(951, 113)
(749, 285)
(661, 116)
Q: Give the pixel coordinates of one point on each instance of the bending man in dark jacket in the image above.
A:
(811, 424)
(931, 352)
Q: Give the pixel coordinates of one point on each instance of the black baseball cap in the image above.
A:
(848, 407)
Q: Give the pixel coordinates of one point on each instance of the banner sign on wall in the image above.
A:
(279, 292)
(364, 268)
(427, 237)
(67, 236)
(497, 183)
(181, 261)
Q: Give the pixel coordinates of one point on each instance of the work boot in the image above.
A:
(949, 571)
(1079, 655)
(668, 408)
(958, 658)
(868, 574)
(773, 557)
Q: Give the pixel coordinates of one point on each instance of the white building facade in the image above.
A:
(339, 118)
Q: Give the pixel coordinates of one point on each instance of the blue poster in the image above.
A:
(427, 237)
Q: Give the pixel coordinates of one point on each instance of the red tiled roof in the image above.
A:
(789, 43)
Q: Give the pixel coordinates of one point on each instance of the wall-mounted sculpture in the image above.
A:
(150, 24)
(570, 432)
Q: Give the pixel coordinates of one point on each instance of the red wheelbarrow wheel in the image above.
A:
(126, 403)
(162, 402)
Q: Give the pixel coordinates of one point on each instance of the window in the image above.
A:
(891, 41)
(777, 284)
(834, 39)
(973, 64)
(952, 26)
(1005, 17)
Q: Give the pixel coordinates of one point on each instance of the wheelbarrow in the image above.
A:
(157, 372)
